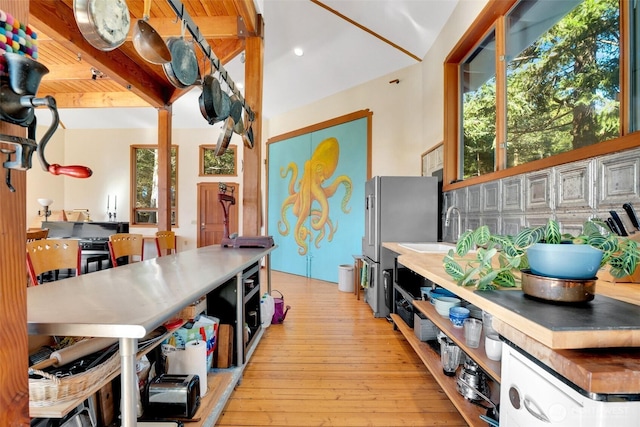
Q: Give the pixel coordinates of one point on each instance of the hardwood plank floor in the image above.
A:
(331, 363)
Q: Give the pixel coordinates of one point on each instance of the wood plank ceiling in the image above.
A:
(123, 78)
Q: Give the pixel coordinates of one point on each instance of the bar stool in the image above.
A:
(166, 242)
(46, 255)
(126, 245)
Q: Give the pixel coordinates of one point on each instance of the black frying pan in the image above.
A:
(210, 98)
(182, 71)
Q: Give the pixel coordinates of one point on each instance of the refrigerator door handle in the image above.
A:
(370, 221)
(373, 225)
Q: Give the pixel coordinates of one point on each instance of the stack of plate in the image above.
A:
(474, 311)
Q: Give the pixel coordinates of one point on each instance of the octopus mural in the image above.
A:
(309, 199)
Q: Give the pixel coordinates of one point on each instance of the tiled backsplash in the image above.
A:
(570, 193)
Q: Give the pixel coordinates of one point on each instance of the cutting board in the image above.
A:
(225, 346)
(602, 322)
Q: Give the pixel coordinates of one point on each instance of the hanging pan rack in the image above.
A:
(200, 40)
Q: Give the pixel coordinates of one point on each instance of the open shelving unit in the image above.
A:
(431, 359)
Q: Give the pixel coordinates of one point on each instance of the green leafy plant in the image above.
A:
(498, 257)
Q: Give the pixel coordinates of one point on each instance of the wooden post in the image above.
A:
(14, 388)
(164, 168)
(252, 174)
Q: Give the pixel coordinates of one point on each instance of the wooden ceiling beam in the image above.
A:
(62, 72)
(58, 21)
(249, 17)
(98, 100)
(211, 27)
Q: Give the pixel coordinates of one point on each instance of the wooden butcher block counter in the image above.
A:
(596, 346)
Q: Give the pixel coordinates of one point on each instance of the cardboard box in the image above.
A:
(192, 310)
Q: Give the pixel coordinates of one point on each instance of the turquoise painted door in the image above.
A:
(316, 199)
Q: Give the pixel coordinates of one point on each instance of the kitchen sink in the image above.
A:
(428, 247)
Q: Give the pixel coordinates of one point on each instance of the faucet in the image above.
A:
(447, 219)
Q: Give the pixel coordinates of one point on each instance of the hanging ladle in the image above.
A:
(148, 42)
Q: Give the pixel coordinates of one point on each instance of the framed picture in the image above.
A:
(432, 159)
(212, 165)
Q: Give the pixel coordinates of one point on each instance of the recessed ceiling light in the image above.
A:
(298, 51)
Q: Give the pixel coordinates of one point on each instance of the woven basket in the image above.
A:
(51, 390)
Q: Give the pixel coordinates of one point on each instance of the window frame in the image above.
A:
(493, 17)
(132, 201)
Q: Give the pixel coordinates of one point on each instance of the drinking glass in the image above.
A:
(472, 332)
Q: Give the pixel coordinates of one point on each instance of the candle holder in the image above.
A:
(110, 214)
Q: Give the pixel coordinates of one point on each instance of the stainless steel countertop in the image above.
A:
(131, 300)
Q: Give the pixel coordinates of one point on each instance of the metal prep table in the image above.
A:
(130, 301)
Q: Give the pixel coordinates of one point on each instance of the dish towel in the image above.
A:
(364, 283)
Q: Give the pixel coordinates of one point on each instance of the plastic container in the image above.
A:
(345, 278)
(267, 309)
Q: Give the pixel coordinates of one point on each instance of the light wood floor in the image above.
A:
(333, 364)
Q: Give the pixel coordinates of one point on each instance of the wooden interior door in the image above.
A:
(211, 215)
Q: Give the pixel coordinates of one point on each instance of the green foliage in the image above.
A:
(219, 165)
(562, 92)
(498, 256)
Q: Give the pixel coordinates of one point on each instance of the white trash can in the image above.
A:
(345, 278)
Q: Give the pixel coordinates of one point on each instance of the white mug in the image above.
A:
(493, 346)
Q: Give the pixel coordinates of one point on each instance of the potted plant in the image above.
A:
(498, 257)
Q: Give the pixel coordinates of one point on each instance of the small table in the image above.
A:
(357, 268)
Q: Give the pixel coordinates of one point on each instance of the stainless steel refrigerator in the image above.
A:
(397, 209)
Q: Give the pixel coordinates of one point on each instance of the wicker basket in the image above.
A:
(51, 390)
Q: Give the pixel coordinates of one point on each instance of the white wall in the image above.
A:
(407, 121)
(43, 185)
(107, 152)
(433, 68)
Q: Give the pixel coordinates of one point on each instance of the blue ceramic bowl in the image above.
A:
(564, 261)
(440, 292)
(457, 316)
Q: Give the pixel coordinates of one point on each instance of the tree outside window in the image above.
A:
(562, 66)
(212, 165)
(145, 170)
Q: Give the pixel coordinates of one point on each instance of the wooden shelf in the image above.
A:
(469, 411)
(61, 409)
(491, 367)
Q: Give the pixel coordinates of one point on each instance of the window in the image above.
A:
(145, 180)
(562, 82)
(478, 81)
(212, 165)
(541, 81)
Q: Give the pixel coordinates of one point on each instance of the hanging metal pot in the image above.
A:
(247, 136)
(235, 111)
(211, 99)
(103, 23)
(182, 71)
(225, 136)
(148, 42)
